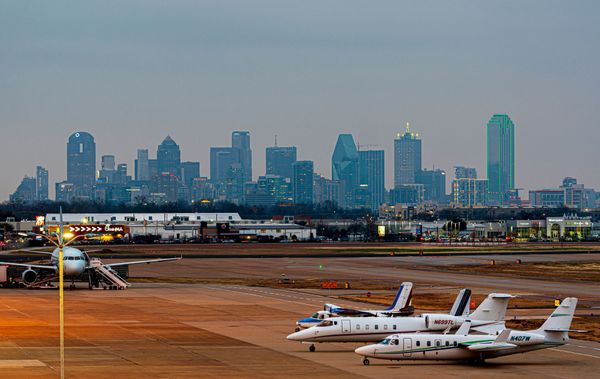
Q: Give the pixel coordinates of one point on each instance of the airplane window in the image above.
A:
(438, 343)
(428, 343)
(367, 327)
(395, 341)
(447, 343)
(418, 343)
(376, 327)
(455, 344)
(385, 342)
(394, 327)
(357, 327)
(385, 327)
(325, 323)
(335, 322)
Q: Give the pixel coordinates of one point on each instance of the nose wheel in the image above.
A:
(366, 361)
(312, 348)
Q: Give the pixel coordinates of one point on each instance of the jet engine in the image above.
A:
(29, 276)
(441, 322)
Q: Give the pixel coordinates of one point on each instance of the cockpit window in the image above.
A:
(325, 323)
(385, 342)
(315, 315)
(394, 341)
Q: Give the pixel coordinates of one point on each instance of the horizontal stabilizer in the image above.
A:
(566, 331)
(491, 346)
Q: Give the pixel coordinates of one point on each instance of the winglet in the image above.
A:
(503, 336)
(464, 329)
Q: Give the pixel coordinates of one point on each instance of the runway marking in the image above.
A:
(572, 352)
(267, 297)
(20, 363)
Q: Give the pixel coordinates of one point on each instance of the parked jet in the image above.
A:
(400, 307)
(76, 263)
(463, 346)
(487, 318)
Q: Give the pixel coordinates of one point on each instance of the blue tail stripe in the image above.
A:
(395, 300)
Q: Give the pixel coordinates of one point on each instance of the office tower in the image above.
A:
(435, 185)
(241, 140)
(142, 165)
(188, 172)
(81, 163)
(407, 157)
(41, 183)
(279, 161)
(168, 157)
(372, 176)
(408, 194)
(26, 192)
(327, 190)
(461, 172)
(345, 166)
(221, 161)
(107, 162)
(302, 182)
(500, 159)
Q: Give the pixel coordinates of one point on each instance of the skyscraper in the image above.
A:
(407, 157)
(189, 172)
(434, 182)
(142, 165)
(279, 161)
(81, 163)
(345, 166)
(303, 182)
(168, 157)
(372, 174)
(500, 158)
(241, 140)
(221, 161)
(41, 183)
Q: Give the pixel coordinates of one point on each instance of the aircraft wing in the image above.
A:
(142, 262)
(491, 346)
(352, 312)
(39, 267)
(36, 251)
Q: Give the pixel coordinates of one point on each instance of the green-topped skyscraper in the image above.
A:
(500, 159)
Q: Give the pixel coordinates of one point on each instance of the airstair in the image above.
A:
(109, 277)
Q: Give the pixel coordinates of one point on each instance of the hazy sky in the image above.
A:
(131, 72)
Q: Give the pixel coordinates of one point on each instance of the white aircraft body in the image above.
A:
(474, 347)
(400, 307)
(487, 318)
(75, 264)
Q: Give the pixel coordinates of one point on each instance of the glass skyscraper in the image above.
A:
(279, 161)
(81, 163)
(500, 159)
(41, 181)
(407, 157)
(302, 182)
(168, 157)
(241, 140)
(345, 166)
(372, 175)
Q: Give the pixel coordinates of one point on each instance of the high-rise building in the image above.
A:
(435, 185)
(372, 176)
(26, 191)
(221, 161)
(142, 165)
(279, 161)
(41, 183)
(345, 166)
(81, 163)
(407, 157)
(107, 162)
(469, 192)
(168, 157)
(500, 159)
(302, 182)
(241, 140)
(325, 190)
(189, 171)
(461, 172)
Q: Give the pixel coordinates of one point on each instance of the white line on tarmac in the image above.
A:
(572, 352)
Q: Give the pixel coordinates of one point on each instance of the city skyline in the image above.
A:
(305, 73)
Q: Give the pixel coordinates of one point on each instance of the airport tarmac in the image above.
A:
(210, 330)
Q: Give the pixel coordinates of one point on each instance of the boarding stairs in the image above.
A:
(109, 277)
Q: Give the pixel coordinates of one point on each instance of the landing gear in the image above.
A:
(312, 348)
(366, 361)
(297, 329)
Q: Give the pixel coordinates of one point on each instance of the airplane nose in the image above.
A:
(365, 351)
(293, 337)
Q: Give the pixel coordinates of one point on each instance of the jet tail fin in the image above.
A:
(402, 298)
(461, 304)
(464, 329)
(493, 308)
(560, 320)
(503, 336)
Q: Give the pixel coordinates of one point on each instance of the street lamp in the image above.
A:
(61, 294)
